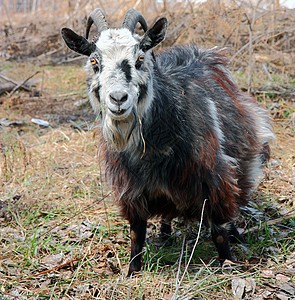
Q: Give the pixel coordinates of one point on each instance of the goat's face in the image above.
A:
(119, 77)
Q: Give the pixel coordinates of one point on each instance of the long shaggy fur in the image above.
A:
(176, 130)
(201, 142)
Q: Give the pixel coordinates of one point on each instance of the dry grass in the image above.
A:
(61, 236)
(48, 179)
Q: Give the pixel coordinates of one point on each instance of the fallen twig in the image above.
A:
(267, 73)
(15, 82)
(22, 83)
(57, 267)
(270, 222)
(6, 87)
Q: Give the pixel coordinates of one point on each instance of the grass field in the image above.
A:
(61, 236)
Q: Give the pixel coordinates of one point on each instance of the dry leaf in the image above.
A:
(250, 285)
(267, 274)
(53, 260)
(282, 297)
(238, 287)
(288, 289)
(282, 278)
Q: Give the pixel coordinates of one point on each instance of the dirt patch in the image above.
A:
(55, 111)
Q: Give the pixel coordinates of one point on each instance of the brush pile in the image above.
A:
(255, 35)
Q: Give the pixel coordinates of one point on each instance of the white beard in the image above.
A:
(121, 134)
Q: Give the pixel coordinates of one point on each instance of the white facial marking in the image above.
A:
(115, 88)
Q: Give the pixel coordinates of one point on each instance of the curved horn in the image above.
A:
(98, 18)
(131, 18)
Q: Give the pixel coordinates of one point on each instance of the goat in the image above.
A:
(176, 129)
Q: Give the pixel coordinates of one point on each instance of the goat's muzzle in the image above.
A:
(119, 105)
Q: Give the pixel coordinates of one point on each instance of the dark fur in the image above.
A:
(199, 140)
(126, 68)
(183, 156)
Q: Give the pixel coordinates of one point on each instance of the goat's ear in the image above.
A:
(154, 35)
(77, 42)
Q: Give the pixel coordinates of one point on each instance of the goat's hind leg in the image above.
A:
(234, 235)
(220, 237)
(165, 231)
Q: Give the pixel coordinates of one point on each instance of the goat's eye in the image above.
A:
(139, 61)
(95, 64)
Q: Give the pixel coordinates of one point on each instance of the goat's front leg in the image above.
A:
(137, 234)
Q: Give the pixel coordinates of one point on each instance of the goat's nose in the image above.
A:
(118, 97)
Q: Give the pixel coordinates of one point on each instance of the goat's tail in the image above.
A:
(265, 153)
(265, 135)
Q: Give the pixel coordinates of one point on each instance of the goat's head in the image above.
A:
(120, 70)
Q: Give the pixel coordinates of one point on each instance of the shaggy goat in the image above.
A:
(176, 129)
